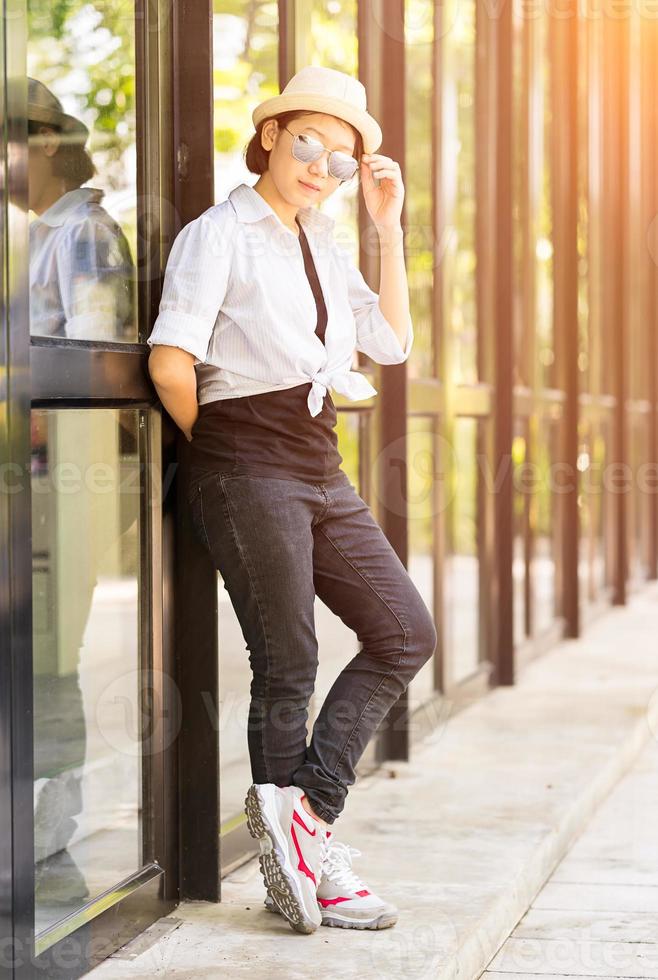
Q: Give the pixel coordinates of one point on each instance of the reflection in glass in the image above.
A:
(423, 481)
(462, 590)
(545, 526)
(520, 563)
(82, 171)
(591, 510)
(245, 72)
(639, 497)
(421, 257)
(86, 488)
(541, 148)
(458, 141)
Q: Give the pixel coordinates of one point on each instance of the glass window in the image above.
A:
(520, 564)
(421, 256)
(462, 589)
(245, 72)
(458, 170)
(86, 493)
(544, 521)
(423, 478)
(82, 171)
(540, 177)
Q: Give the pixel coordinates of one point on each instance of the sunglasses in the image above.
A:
(307, 150)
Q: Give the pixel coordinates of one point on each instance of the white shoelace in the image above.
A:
(337, 865)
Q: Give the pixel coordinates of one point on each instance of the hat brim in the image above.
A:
(361, 120)
(69, 124)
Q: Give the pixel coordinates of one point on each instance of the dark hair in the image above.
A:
(257, 157)
(72, 161)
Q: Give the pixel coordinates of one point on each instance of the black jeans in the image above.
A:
(278, 543)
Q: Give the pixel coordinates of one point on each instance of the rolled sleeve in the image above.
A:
(374, 334)
(194, 288)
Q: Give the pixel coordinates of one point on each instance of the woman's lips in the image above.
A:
(312, 190)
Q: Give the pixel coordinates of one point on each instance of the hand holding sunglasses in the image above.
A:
(383, 201)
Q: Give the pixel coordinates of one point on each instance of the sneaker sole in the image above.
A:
(279, 876)
(384, 921)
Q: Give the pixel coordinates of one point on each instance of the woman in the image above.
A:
(259, 297)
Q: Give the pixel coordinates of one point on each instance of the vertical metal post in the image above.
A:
(564, 160)
(194, 588)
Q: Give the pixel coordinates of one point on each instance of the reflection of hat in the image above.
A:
(325, 90)
(44, 107)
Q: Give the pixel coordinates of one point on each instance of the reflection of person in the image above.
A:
(81, 271)
(270, 503)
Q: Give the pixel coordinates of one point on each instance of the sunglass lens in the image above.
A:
(341, 166)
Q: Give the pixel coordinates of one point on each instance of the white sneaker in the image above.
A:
(344, 900)
(293, 846)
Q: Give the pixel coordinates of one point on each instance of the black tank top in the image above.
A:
(271, 433)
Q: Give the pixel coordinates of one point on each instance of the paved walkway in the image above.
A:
(465, 836)
(597, 915)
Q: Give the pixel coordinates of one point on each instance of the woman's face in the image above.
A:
(290, 175)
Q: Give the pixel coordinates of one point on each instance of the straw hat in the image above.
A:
(325, 90)
(44, 107)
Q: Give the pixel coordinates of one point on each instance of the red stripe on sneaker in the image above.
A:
(363, 892)
(302, 866)
(296, 817)
(324, 902)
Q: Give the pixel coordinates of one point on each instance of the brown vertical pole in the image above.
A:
(503, 648)
(649, 41)
(194, 593)
(564, 103)
(394, 743)
(614, 280)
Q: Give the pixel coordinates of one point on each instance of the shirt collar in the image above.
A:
(250, 206)
(65, 205)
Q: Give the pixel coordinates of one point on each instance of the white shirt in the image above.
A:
(81, 271)
(236, 295)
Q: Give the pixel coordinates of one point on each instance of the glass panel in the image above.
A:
(330, 39)
(641, 479)
(541, 195)
(82, 171)
(591, 506)
(608, 518)
(423, 476)
(458, 170)
(522, 316)
(333, 38)
(419, 234)
(245, 72)
(347, 429)
(462, 590)
(86, 488)
(520, 567)
(545, 526)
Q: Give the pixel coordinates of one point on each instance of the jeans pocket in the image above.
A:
(195, 502)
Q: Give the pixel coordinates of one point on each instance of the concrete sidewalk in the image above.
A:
(465, 835)
(597, 915)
